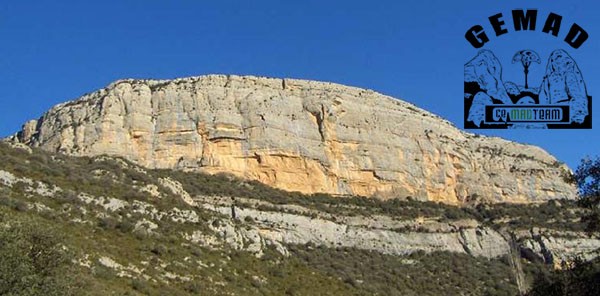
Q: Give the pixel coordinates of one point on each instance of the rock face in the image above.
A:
(283, 225)
(298, 135)
(299, 230)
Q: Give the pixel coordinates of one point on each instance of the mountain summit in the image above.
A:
(298, 135)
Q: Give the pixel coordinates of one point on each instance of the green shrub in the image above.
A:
(33, 261)
(108, 223)
(159, 250)
(139, 285)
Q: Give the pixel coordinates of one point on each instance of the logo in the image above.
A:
(555, 98)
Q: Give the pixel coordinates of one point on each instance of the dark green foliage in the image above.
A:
(556, 214)
(108, 223)
(33, 261)
(579, 278)
(159, 250)
(587, 177)
(139, 285)
(439, 273)
(15, 204)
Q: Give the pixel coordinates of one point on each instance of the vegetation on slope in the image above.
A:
(226, 271)
(32, 260)
(560, 215)
(115, 254)
(578, 278)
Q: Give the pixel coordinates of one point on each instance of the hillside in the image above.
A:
(137, 231)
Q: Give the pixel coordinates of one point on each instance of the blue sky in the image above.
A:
(54, 51)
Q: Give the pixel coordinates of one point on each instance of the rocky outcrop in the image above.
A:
(298, 135)
(296, 229)
(283, 225)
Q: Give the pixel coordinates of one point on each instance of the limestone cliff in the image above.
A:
(298, 135)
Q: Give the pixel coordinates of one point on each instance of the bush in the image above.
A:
(579, 278)
(159, 250)
(108, 223)
(139, 285)
(125, 226)
(587, 178)
(420, 273)
(33, 261)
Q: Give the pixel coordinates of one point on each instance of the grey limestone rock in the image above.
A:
(298, 135)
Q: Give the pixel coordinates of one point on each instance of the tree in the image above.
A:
(587, 177)
(33, 261)
(578, 277)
